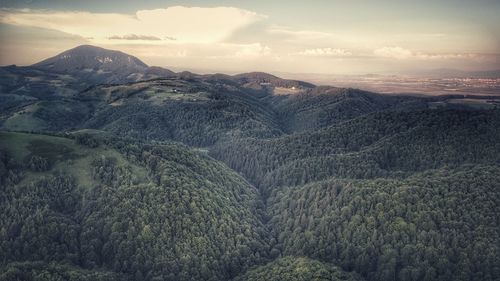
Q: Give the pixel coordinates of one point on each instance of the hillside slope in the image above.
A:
(439, 225)
(152, 211)
(386, 144)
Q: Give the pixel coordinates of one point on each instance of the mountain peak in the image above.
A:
(88, 57)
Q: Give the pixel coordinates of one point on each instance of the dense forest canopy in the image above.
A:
(245, 177)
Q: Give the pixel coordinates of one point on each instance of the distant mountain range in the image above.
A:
(97, 65)
(88, 72)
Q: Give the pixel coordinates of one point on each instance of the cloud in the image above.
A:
(252, 51)
(430, 56)
(402, 54)
(393, 52)
(301, 34)
(227, 38)
(186, 24)
(238, 51)
(325, 52)
(134, 37)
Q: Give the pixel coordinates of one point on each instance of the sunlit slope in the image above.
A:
(298, 269)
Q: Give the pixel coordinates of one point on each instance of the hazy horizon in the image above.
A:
(321, 37)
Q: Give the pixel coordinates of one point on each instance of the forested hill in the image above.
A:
(124, 211)
(146, 174)
(385, 144)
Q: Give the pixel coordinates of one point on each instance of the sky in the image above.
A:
(327, 37)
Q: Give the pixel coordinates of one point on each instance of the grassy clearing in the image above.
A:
(161, 94)
(20, 145)
(24, 120)
(63, 155)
